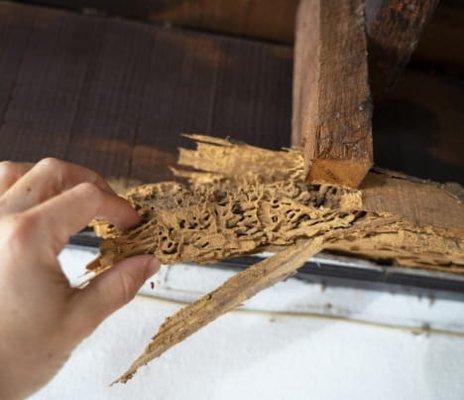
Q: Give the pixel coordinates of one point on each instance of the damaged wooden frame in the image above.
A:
(241, 199)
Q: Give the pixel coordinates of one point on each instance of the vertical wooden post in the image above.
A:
(331, 98)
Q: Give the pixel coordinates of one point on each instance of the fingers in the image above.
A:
(46, 179)
(108, 292)
(56, 219)
(10, 172)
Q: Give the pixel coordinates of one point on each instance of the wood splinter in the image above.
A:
(241, 287)
(229, 295)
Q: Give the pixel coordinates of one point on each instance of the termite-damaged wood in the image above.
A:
(331, 99)
(229, 295)
(243, 199)
(236, 290)
(393, 29)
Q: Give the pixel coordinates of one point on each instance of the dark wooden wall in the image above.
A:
(264, 19)
(272, 20)
(114, 95)
(418, 128)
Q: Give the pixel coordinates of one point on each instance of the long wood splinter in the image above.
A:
(229, 295)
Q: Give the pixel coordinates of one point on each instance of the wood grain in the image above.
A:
(265, 19)
(237, 289)
(42, 94)
(331, 100)
(422, 203)
(272, 20)
(110, 99)
(392, 218)
(50, 97)
(116, 95)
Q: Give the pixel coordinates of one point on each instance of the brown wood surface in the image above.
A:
(115, 95)
(331, 99)
(418, 127)
(71, 88)
(274, 20)
(266, 19)
(422, 203)
(440, 47)
(393, 28)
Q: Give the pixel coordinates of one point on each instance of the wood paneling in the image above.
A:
(269, 19)
(115, 95)
(266, 19)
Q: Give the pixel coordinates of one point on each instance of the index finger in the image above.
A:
(68, 213)
(46, 179)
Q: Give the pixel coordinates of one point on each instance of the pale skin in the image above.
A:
(42, 318)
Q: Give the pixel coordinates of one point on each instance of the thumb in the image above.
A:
(110, 291)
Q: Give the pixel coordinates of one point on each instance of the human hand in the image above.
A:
(42, 318)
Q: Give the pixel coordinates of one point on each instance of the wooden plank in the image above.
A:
(270, 20)
(15, 38)
(240, 98)
(331, 100)
(393, 28)
(106, 120)
(422, 203)
(178, 96)
(115, 95)
(418, 127)
(42, 92)
(265, 19)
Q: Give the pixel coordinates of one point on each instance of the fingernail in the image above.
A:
(152, 267)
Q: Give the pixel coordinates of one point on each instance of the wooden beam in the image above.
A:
(331, 100)
(424, 208)
(265, 19)
(393, 29)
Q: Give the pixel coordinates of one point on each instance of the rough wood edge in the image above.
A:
(331, 100)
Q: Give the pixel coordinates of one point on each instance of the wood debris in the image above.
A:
(241, 199)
